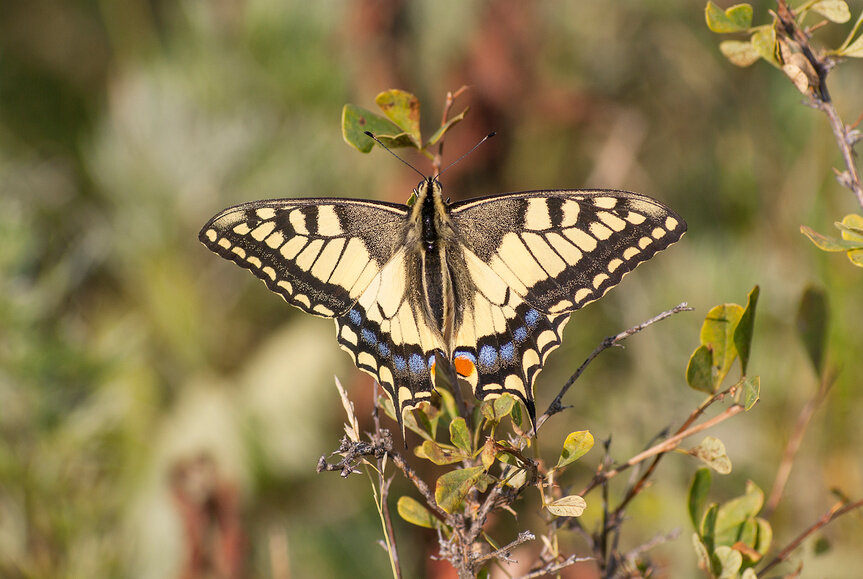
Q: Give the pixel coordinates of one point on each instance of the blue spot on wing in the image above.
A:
(531, 317)
(507, 351)
(399, 363)
(384, 350)
(417, 364)
(368, 336)
(355, 316)
(520, 334)
(487, 356)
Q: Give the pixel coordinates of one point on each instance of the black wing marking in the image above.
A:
(560, 250)
(318, 254)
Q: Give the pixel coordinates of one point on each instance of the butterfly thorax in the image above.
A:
(430, 238)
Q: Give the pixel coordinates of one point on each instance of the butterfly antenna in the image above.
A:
(388, 150)
(483, 140)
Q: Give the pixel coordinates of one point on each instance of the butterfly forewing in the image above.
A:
(560, 250)
(319, 255)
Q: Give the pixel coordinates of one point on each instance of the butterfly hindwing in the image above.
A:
(319, 255)
(563, 249)
(501, 344)
(388, 336)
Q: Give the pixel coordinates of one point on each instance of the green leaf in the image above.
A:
(812, 320)
(452, 488)
(833, 10)
(503, 405)
(749, 533)
(698, 370)
(413, 512)
(737, 18)
(701, 481)
(438, 134)
(711, 452)
(403, 109)
(708, 526)
(751, 392)
(729, 561)
(356, 120)
(765, 536)
(717, 333)
(448, 405)
(431, 450)
(821, 546)
(574, 447)
(739, 52)
(459, 435)
(734, 513)
(570, 506)
(745, 328)
(516, 414)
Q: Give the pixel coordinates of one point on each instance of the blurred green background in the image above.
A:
(144, 381)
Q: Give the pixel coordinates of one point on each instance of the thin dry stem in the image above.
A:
(835, 512)
(793, 445)
(556, 404)
(669, 444)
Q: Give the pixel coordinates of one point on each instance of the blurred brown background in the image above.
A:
(161, 413)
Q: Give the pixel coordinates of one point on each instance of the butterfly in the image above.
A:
(486, 284)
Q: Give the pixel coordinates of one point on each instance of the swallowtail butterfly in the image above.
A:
(487, 284)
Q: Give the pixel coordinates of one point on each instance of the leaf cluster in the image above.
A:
(730, 538)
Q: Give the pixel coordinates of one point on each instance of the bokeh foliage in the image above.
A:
(126, 348)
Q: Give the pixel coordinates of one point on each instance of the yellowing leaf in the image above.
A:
(739, 52)
(570, 506)
(711, 451)
(735, 19)
(833, 10)
(438, 454)
(751, 392)
(403, 109)
(574, 447)
(717, 334)
(763, 41)
(452, 488)
(729, 561)
(413, 512)
(854, 50)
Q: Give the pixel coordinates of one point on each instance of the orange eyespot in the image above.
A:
(463, 366)
(433, 366)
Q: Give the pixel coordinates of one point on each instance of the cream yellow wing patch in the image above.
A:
(318, 254)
